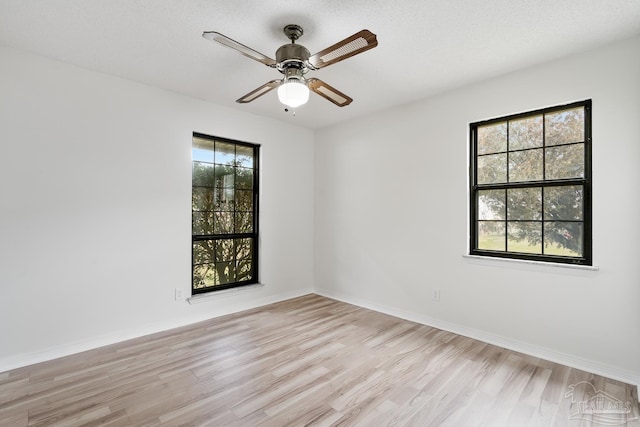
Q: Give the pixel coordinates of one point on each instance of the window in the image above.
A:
(530, 185)
(224, 213)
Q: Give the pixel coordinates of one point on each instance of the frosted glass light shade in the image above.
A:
(293, 93)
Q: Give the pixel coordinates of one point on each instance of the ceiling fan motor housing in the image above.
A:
(292, 61)
(292, 54)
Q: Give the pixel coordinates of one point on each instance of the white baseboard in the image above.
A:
(22, 360)
(572, 361)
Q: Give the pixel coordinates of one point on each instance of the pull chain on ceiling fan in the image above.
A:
(294, 61)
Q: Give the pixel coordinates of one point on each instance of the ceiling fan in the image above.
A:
(294, 61)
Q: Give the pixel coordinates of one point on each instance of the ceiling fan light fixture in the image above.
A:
(293, 93)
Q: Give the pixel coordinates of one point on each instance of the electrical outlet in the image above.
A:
(178, 294)
(435, 294)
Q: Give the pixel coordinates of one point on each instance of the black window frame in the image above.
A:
(254, 235)
(585, 182)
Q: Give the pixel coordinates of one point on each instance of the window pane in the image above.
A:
(202, 199)
(244, 156)
(563, 127)
(202, 174)
(563, 203)
(204, 276)
(564, 162)
(224, 223)
(203, 267)
(492, 138)
(203, 252)
(224, 199)
(524, 203)
(492, 169)
(225, 153)
(244, 269)
(524, 237)
(491, 204)
(563, 238)
(202, 155)
(244, 178)
(491, 235)
(244, 222)
(226, 272)
(525, 165)
(204, 144)
(225, 176)
(525, 133)
(225, 250)
(202, 223)
(244, 248)
(244, 200)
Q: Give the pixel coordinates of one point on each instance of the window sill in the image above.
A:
(486, 259)
(195, 299)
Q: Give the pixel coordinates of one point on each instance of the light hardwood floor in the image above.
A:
(308, 361)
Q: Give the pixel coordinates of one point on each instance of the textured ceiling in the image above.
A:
(425, 46)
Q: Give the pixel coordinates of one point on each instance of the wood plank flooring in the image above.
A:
(309, 361)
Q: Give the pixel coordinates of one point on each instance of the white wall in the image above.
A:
(95, 188)
(391, 218)
(95, 219)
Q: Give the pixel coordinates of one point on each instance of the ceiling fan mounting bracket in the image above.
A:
(293, 32)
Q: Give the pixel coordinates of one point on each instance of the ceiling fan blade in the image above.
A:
(257, 93)
(329, 92)
(357, 43)
(246, 51)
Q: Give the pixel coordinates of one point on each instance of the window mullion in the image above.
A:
(506, 192)
(544, 177)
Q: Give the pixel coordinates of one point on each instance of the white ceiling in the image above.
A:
(425, 46)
